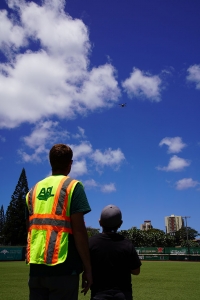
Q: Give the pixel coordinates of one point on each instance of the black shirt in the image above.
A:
(112, 257)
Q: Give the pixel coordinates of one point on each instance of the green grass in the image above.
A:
(157, 281)
(13, 281)
(167, 281)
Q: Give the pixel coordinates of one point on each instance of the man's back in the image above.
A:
(112, 257)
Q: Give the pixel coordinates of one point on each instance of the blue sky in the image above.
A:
(64, 69)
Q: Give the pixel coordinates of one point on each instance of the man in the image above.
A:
(113, 259)
(57, 248)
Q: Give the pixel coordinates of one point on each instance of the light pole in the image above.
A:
(186, 217)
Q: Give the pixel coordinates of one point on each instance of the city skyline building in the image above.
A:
(146, 225)
(173, 223)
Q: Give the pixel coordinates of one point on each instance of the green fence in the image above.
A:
(168, 250)
(145, 253)
(154, 257)
(183, 251)
(169, 253)
(12, 253)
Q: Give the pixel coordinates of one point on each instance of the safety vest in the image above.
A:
(49, 220)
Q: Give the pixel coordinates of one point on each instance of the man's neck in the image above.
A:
(64, 173)
(109, 232)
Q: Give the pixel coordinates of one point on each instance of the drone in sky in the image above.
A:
(122, 104)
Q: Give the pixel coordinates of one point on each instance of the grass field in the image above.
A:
(157, 281)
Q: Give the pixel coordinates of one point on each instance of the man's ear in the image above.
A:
(68, 168)
(100, 222)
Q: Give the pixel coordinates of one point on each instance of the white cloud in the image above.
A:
(44, 131)
(108, 188)
(79, 168)
(186, 183)
(35, 156)
(108, 158)
(82, 131)
(104, 188)
(144, 85)
(81, 150)
(12, 36)
(55, 79)
(175, 144)
(44, 135)
(176, 164)
(80, 134)
(91, 183)
(194, 75)
(168, 71)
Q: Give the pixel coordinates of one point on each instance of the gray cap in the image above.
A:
(111, 216)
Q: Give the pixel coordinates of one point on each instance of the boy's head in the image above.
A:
(111, 218)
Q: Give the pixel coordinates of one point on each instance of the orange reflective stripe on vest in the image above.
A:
(51, 222)
(52, 247)
(58, 207)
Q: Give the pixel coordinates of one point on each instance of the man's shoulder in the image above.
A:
(124, 242)
(95, 237)
(116, 237)
(79, 200)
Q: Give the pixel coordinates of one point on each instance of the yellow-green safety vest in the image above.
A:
(49, 220)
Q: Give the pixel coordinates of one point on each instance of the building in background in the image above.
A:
(146, 226)
(173, 223)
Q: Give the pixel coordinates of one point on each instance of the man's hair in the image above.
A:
(60, 156)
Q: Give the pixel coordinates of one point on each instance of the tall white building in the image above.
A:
(173, 223)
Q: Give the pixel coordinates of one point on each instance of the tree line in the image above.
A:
(13, 222)
(13, 226)
(184, 237)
